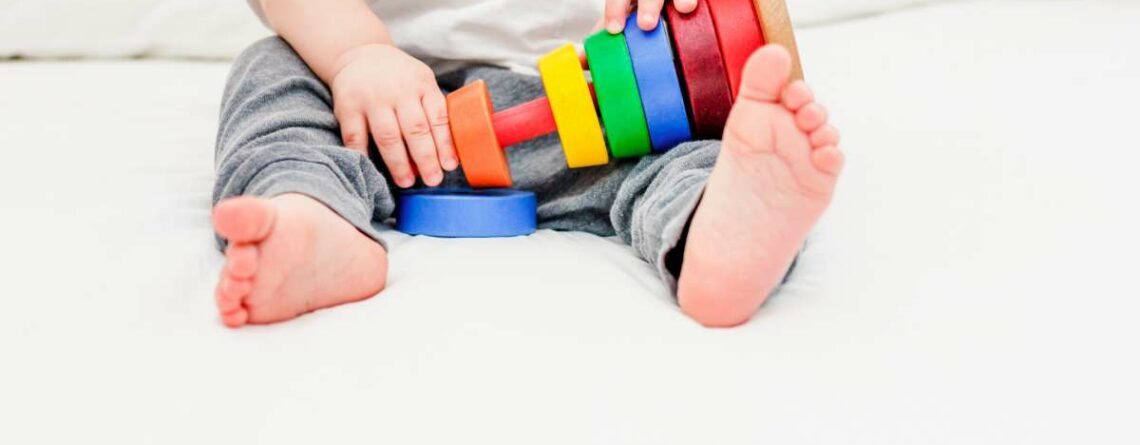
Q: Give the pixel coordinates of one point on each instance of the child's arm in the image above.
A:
(647, 12)
(378, 90)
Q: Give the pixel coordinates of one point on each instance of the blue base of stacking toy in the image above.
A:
(465, 213)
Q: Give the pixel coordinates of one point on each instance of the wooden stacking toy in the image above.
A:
(652, 90)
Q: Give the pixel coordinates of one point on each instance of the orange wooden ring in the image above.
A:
(484, 163)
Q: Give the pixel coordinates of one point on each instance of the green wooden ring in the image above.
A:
(618, 98)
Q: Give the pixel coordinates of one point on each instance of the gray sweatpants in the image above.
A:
(277, 134)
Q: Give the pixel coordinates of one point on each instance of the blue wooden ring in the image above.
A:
(465, 213)
(661, 95)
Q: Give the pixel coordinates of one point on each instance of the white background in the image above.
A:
(975, 281)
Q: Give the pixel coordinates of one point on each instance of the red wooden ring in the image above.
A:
(738, 30)
(469, 116)
(706, 84)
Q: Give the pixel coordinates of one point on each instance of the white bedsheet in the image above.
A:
(975, 281)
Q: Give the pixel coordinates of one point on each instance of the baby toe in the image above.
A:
(241, 260)
(231, 291)
(236, 318)
(797, 95)
(243, 219)
(765, 74)
(827, 135)
(828, 159)
(811, 117)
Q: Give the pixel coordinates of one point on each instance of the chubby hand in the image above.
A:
(381, 92)
(648, 11)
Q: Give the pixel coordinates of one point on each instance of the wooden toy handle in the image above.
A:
(523, 122)
(527, 121)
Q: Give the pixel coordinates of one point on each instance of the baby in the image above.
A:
(322, 126)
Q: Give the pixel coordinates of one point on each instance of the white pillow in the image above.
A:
(126, 28)
(220, 28)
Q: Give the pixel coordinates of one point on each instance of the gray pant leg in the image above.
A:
(656, 201)
(652, 201)
(647, 202)
(277, 134)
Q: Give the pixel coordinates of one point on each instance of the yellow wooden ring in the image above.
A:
(573, 108)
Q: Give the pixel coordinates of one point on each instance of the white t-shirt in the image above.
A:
(448, 34)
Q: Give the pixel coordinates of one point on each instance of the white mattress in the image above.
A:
(975, 281)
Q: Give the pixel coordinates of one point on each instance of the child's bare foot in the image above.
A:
(772, 181)
(290, 255)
